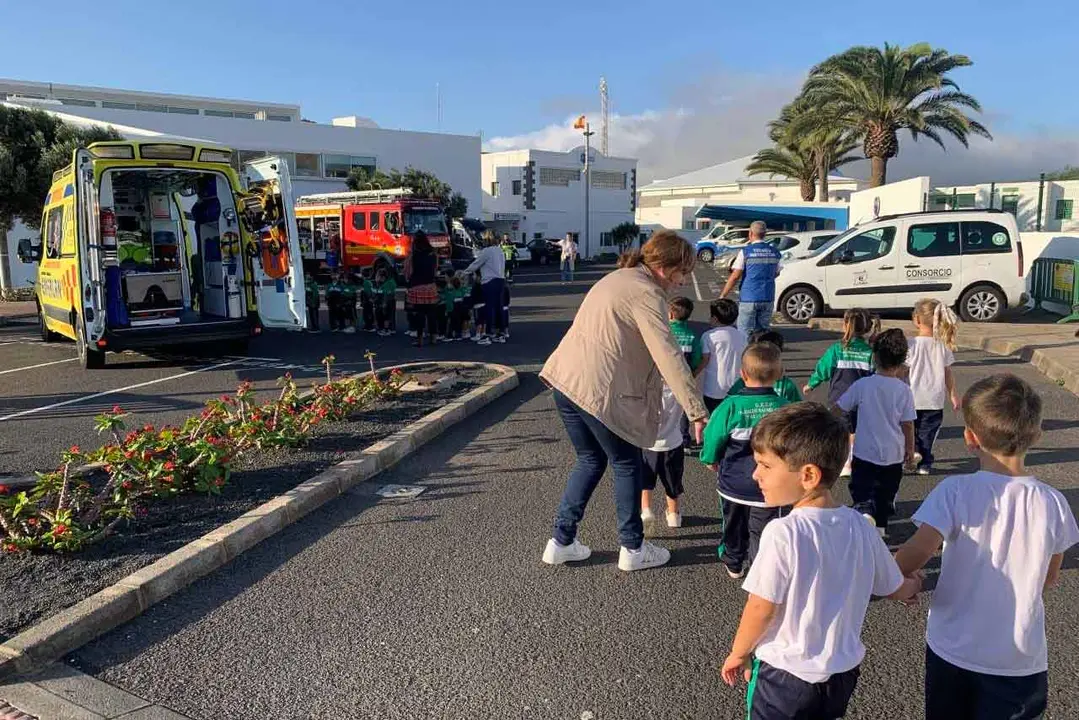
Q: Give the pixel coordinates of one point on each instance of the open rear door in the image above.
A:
(91, 287)
(277, 265)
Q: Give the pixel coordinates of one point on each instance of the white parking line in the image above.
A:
(32, 411)
(31, 367)
(696, 286)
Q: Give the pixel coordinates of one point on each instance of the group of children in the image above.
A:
(812, 565)
(459, 314)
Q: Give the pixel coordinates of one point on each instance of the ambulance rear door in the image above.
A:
(281, 302)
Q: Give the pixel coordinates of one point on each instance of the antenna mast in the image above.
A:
(605, 113)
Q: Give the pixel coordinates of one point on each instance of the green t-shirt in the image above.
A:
(688, 340)
(446, 296)
(784, 387)
(349, 291)
(311, 289)
(388, 289)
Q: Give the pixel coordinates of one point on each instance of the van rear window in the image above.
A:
(985, 237)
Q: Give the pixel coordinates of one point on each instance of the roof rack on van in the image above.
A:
(935, 212)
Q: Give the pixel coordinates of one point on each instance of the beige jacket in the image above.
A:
(607, 362)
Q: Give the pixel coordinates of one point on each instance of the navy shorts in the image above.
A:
(953, 692)
(775, 694)
(668, 466)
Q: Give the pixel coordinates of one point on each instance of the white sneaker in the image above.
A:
(649, 520)
(674, 520)
(555, 554)
(648, 556)
(349, 330)
(499, 339)
(924, 470)
(846, 471)
(735, 575)
(484, 341)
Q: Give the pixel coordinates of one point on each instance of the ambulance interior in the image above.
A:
(178, 248)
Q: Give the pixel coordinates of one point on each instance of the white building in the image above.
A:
(673, 203)
(541, 194)
(1057, 200)
(319, 156)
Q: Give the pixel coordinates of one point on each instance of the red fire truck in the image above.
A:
(366, 228)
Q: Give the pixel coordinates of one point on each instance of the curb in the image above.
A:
(72, 628)
(1048, 365)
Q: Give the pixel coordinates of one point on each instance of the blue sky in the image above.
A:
(508, 69)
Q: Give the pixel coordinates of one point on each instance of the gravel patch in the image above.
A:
(37, 585)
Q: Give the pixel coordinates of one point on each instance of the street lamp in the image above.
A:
(583, 125)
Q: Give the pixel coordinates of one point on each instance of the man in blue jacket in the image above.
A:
(755, 268)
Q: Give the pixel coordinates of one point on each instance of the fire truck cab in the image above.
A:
(367, 228)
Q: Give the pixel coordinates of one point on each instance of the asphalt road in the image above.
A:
(439, 607)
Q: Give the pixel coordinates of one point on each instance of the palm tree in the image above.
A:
(828, 145)
(874, 93)
(789, 161)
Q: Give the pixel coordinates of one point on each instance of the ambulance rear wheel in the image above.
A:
(47, 335)
(89, 358)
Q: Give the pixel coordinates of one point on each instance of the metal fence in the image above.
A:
(1053, 280)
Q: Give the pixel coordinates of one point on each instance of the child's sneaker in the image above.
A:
(647, 556)
(735, 574)
(499, 339)
(674, 520)
(349, 330)
(649, 520)
(555, 554)
(371, 330)
(484, 341)
(925, 470)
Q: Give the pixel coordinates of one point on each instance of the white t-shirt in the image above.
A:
(724, 345)
(820, 566)
(491, 262)
(670, 423)
(569, 248)
(927, 358)
(882, 403)
(739, 261)
(999, 532)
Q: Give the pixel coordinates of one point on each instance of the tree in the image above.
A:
(1070, 172)
(790, 161)
(420, 182)
(625, 234)
(457, 207)
(33, 145)
(874, 93)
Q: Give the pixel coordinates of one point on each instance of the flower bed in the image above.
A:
(173, 498)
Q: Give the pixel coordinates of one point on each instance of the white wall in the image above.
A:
(898, 197)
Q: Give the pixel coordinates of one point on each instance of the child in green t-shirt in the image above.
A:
(679, 310)
(348, 305)
(386, 305)
(784, 387)
(367, 300)
(335, 301)
(313, 299)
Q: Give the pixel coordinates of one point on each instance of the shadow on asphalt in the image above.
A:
(197, 600)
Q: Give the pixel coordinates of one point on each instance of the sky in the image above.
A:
(692, 83)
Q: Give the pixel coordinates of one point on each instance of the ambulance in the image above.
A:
(151, 244)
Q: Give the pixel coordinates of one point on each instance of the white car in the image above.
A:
(795, 246)
(972, 260)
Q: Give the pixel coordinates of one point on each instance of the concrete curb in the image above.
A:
(72, 628)
(1041, 358)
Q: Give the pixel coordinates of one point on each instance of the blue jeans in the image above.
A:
(595, 446)
(492, 303)
(567, 270)
(753, 316)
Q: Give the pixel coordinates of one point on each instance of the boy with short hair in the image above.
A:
(721, 352)
(1004, 535)
(884, 443)
(726, 450)
(348, 304)
(814, 575)
(335, 301)
(784, 387)
(679, 310)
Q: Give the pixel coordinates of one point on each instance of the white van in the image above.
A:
(971, 260)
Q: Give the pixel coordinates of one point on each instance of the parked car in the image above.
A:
(710, 248)
(542, 251)
(790, 245)
(970, 259)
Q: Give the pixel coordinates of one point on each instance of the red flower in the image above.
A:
(108, 468)
(131, 437)
(4, 489)
(167, 479)
(128, 454)
(31, 522)
(169, 465)
(219, 482)
(59, 529)
(148, 428)
(146, 455)
(11, 547)
(74, 450)
(116, 410)
(126, 484)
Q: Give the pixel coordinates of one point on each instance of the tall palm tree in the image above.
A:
(874, 93)
(789, 161)
(829, 145)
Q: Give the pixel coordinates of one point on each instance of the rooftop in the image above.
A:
(728, 173)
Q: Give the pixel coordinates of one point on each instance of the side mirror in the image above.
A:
(27, 252)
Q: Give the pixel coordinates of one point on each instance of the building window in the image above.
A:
(339, 166)
(307, 165)
(1064, 209)
(243, 115)
(279, 118)
(558, 176)
(117, 105)
(1010, 204)
(183, 110)
(77, 102)
(217, 113)
(608, 180)
(494, 189)
(689, 224)
(516, 187)
(606, 239)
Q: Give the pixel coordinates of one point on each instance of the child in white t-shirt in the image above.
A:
(1004, 535)
(721, 353)
(665, 460)
(884, 442)
(813, 577)
(929, 363)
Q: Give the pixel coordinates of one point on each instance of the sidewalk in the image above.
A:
(23, 311)
(1050, 347)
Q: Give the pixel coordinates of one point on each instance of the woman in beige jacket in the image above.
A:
(607, 375)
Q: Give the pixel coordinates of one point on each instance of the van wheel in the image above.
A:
(800, 305)
(706, 255)
(47, 335)
(982, 303)
(89, 358)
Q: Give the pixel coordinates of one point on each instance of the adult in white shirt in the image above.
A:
(490, 263)
(569, 256)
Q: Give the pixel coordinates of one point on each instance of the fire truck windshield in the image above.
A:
(430, 220)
